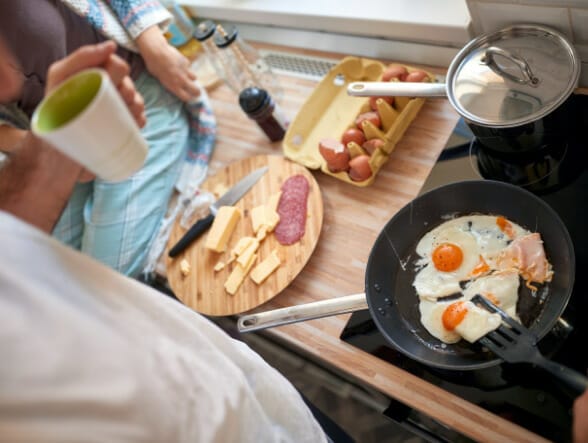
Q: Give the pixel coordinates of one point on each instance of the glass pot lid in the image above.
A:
(513, 76)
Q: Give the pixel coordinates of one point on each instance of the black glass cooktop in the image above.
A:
(520, 393)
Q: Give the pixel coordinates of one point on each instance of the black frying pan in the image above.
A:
(392, 300)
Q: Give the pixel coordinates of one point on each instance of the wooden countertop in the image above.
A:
(353, 217)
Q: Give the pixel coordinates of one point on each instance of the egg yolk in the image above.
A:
(453, 315)
(447, 257)
(481, 268)
(505, 226)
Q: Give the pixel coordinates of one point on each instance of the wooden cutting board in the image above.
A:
(203, 289)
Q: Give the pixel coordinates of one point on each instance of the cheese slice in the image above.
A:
(237, 276)
(241, 245)
(264, 269)
(222, 228)
(264, 215)
(271, 218)
(248, 254)
(185, 268)
(262, 233)
(257, 217)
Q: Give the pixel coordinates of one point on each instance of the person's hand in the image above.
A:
(167, 64)
(103, 56)
(580, 430)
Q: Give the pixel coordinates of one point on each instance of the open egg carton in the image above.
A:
(329, 113)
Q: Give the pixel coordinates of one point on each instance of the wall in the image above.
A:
(567, 16)
(419, 31)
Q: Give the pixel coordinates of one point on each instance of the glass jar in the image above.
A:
(204, 34)
(245, 63)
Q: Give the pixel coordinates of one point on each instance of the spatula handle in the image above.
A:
(573, 379)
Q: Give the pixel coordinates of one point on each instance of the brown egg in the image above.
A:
(335, 154)
(370, 116)
(353, 135)
(371, 145)
(417, 76)
(359, 168)
(394, 71)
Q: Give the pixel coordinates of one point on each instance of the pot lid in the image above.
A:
(513, 76)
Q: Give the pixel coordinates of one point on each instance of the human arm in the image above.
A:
(580, 430)
(167, 64)
(37, 180)
(145, 22)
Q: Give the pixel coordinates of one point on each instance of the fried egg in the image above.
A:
(466, 256)
(501, 288)
(431, 318)
(459, 250)
(470, 321)
(448, 257)
(450, 321)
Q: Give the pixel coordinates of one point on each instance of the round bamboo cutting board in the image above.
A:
(203, 288)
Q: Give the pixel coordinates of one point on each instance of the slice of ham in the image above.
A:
(292, 210)
(527, 255)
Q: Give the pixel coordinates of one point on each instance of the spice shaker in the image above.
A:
(204, 34)
(246, 65)
(259, 106)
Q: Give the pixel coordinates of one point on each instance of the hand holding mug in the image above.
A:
(93, 115)
(94, 56)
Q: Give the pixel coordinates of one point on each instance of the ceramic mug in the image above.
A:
(87, 120)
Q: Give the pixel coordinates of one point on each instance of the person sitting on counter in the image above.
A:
(114, 222)
(91, 355)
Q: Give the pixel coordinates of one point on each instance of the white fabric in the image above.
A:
(87, 355)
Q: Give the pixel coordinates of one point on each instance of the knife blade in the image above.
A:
(229, 198)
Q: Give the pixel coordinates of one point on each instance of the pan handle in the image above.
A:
(308, 311)
(398, 89)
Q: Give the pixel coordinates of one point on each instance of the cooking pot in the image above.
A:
(513, 88)
(392, 301)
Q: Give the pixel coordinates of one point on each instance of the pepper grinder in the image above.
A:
(247, 67)
(259, 106)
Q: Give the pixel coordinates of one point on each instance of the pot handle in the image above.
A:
(308, 311)
(528, 78)
(398, 89)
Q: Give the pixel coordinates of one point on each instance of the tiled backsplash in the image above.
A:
(570, 17)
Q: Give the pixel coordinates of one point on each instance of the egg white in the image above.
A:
(477, 323)
(501, 286)
(431, 318)
(432, 283)
(480, 239)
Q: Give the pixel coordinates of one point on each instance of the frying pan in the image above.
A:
(391, 298)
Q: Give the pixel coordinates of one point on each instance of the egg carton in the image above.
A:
(329, 112)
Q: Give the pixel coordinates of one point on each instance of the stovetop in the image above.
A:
(519, 393)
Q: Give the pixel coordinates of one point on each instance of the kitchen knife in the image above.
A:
(229, 198)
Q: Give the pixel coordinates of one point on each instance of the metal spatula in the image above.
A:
(516, 344)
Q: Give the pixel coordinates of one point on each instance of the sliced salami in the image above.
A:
(292, 210)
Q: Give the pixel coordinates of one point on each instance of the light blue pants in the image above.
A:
(116, 222)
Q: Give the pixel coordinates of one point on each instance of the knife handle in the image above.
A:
(193, 233)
